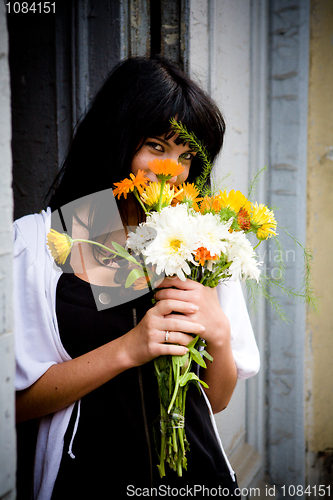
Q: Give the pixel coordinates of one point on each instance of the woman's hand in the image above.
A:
(221, 375)
(148, 339)
(206, 308)
(64, 383)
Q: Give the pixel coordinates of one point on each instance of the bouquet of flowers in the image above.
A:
(193, 234)
(205, 239)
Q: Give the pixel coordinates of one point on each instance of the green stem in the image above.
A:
(129, 258)
(174, 439)
(176, 377)
(163, 181)
(163, 437)
(137, 196)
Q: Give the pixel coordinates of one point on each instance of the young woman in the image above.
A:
(85, 348)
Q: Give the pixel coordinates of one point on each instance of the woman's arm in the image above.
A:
(221, 375)
(64, 383)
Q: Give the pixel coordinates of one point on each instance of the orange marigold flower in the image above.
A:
(140, 180)
(60, 245)
(142, 282)
(127, 185)
(243, 219)
(165, 169)
(123, 187)
(202, 254)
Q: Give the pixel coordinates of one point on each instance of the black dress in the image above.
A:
(114, 446)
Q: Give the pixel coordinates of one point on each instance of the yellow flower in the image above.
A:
(188, 193)
(264, 221)
(151, 195)
(165, 169)
(60, 245)
(127, 185)
(234, 200)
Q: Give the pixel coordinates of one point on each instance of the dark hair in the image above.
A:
(136, 101)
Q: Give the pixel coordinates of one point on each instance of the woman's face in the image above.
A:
(159, 147)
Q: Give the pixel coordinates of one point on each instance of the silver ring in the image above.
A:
(166, 336)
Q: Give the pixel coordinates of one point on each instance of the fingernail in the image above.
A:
(194, 308)
(202, 328)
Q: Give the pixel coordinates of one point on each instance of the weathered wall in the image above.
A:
(319, 395)
(7, 432)
(288, 111)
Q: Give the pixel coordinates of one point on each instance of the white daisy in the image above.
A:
(212, 233)
(172, 249)
(244, 259)
(139, 240)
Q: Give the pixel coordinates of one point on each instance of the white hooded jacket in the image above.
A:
(38, 344)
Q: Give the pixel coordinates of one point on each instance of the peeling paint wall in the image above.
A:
(7, 364)
(319, 366)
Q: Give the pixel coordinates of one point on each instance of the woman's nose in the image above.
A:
(173, 180)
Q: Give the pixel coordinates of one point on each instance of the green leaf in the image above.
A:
(207, 355)
(122, 252)
(197, 358)
(193, 342)
(191, 376)
(201, 150)
(133, 276)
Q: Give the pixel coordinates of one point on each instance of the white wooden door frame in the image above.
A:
(228, 56)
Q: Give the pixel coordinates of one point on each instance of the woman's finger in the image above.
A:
(165, 307)
(169, 337)
(178, 324)
(171, 281)
(172, 293)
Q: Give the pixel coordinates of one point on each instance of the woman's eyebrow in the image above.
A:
(162, 140)
(168, 144)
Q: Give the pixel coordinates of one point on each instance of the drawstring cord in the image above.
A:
(70, 449)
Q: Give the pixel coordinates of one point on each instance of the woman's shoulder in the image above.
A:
(30, 232)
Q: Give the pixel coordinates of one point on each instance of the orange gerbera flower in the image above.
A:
(202, 254)
(216, 203)
(188, 193)
(206, 205)
(127, 185)
(165, 169)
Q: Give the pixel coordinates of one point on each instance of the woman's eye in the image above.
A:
(156, 146)
(186, 156)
